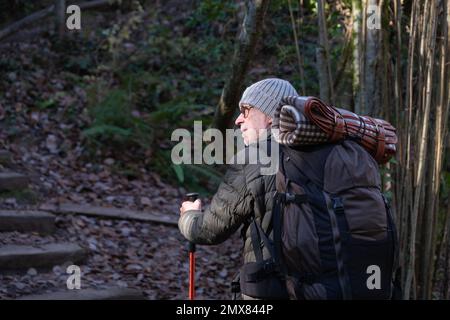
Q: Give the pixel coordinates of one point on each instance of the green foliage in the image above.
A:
(445, 185)
(386, 177)
(208, 11)
(177, 111)
(199, 178)
(7, 65)
(113, 122)
(179, 171)
(147, 88)
(183, 71)
(165, 80)
(79, 64)
(44, 104)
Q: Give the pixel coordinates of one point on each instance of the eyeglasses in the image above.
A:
(245, 110)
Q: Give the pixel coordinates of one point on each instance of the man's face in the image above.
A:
(251, 121)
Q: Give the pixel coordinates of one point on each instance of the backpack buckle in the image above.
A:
(268, 267)
(338, 206)
(235, 287)
(289, 197)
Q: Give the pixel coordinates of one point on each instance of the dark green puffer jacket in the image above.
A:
(244, 193)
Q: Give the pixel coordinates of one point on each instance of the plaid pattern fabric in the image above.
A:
(292, 128)
(307, 120)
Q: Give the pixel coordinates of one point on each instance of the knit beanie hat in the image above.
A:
(266, 95)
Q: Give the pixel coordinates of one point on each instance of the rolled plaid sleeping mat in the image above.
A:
(308, 120)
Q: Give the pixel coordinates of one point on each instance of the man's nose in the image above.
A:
(239, 119)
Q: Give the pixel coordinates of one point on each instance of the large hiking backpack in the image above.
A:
(333, 233)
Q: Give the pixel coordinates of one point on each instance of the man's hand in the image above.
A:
(189, 205)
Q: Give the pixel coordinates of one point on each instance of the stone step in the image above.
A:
(27, 221)
(111, 213)
(89, 294)
(11, 181)
(5, 157)
(22, 257)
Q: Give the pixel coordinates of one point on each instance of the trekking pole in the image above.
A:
(191, 197)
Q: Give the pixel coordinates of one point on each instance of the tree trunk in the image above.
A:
(446, 280)
(245, 48)
(60, 17)
(443, 255)
(422, 131)
(16, 26)
(405, 190)
(323, 57)
(342, 71)
(427, 228)
(372, 94)
(398, 84)
(440, 139)
(356, 39)
(297, 49)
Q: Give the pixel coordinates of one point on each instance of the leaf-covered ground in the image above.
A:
(151, 258)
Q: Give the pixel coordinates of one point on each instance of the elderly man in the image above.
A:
(244, 198)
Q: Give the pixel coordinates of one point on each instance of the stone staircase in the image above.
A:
(89, 294)
(23, 257)
(27, 221)
(18, 258)
(10, 181)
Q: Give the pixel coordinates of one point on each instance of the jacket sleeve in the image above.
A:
(230, 207)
